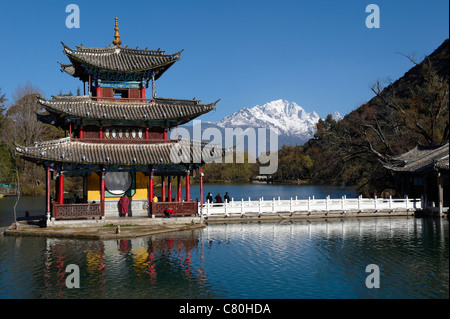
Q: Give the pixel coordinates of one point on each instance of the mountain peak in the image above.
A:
(284, 117)
(280, 106)
(290, 121)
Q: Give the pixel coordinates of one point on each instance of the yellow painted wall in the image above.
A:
(141, 186)
(94, 187)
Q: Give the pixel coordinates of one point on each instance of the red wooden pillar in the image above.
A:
(48, 201)
(56, 185)
(143, 94)
(102, 192)
(100, 132)
(89, 89)
(81, 133)
(61, 188)
(165, 134)
(98, 92)
(146, 133)
(150, 191)
(163, 189)
(179, 189)
(188, 187)
(201, 187)
(170, 188)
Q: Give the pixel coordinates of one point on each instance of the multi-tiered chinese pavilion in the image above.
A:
(118, 138)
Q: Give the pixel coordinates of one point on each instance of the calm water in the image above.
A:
(286, 260)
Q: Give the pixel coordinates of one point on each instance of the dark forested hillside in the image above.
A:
(412, 110)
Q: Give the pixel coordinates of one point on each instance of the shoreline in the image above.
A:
(123, 228)
(104, 229)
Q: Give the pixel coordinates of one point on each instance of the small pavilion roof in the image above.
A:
(116, 59)
(175, 111)
(421, 159)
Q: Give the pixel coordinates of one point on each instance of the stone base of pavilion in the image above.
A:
(105, 227)
(134, 220)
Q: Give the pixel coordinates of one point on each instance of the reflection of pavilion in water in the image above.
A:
(145, 255)
(124, 268)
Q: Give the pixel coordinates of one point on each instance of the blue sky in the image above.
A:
(319, 54)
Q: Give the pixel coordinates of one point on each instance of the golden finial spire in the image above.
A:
(116, 35)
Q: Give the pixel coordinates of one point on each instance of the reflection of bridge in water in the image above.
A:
(342, 228)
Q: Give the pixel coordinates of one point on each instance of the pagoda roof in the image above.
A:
(421, 159)
(117, 59)
(157, 110)
(69, 151)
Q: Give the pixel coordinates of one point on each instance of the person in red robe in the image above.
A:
(124, 202)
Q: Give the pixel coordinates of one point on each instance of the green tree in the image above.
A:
(230, 172)
(20, 125)
(6, 163)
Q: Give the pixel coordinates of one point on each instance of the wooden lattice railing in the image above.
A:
(75, 211)
(179, 208)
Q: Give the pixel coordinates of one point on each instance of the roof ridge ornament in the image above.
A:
(117, 40)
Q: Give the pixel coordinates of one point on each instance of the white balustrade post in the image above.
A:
(290, 206)
(342, 203)
(273, 205)
(260, 209)
(207, 208)
(309, 204)
(242, 206)
(390, 201)
(406, 199)
(226, 208)
(326, 203)
(359, 202)
(376, 206)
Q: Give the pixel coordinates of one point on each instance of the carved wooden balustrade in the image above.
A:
(76, 211)
(179, 208)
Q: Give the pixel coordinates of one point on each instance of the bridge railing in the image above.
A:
(311, 205)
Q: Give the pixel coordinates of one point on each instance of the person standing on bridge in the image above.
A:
(218, 198)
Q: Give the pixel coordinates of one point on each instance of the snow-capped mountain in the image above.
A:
(336, 116)
(285, 118)
(293, 125)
